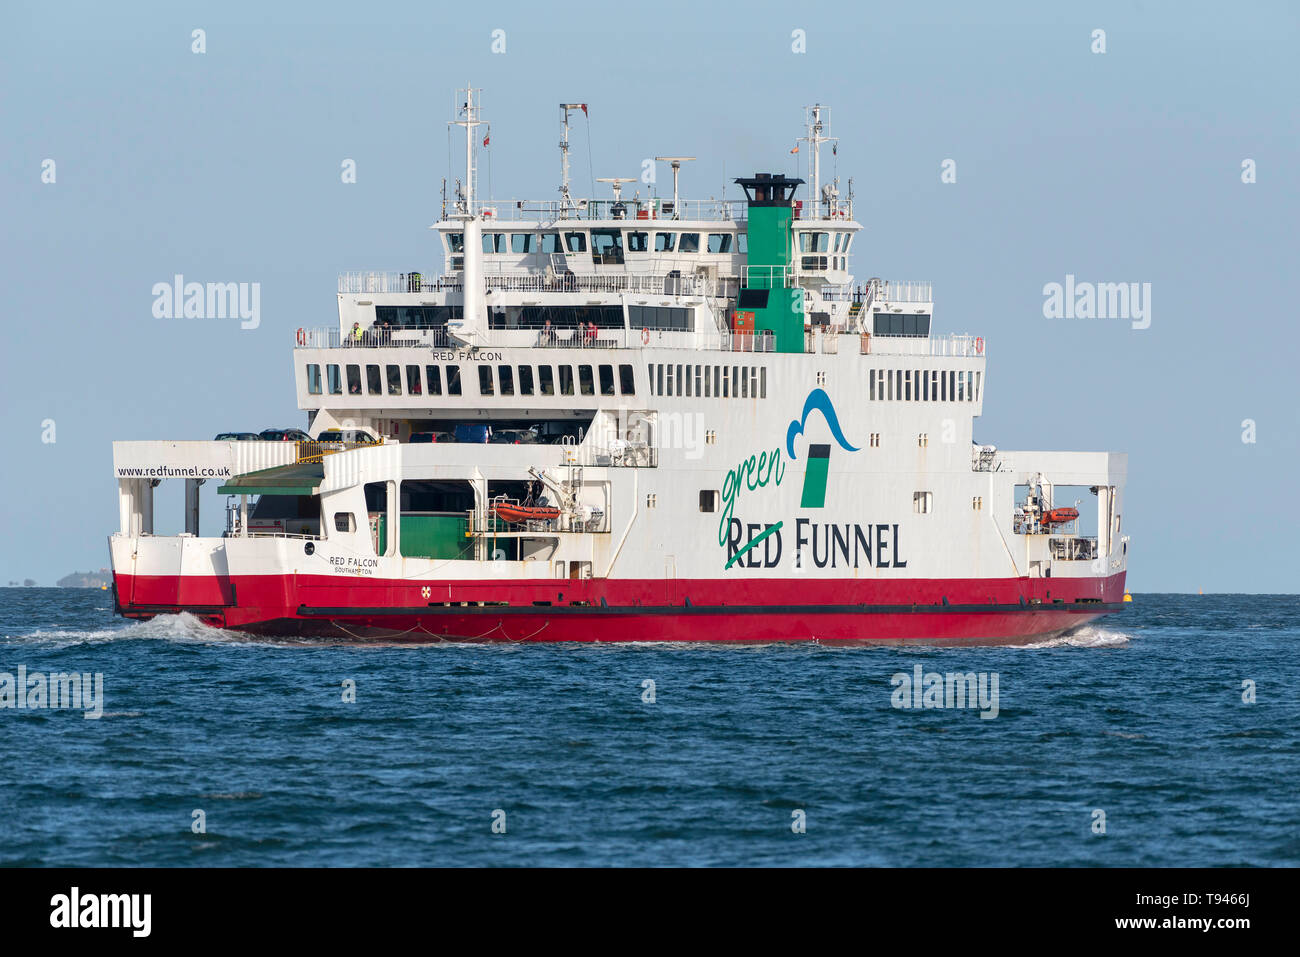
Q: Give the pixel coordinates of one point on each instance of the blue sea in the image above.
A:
(1128, 743)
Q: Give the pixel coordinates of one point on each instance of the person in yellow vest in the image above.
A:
(356, 333)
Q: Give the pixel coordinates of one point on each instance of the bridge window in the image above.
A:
(523, 242)
(607, 247)
(413, 380)
(585, 380)
(494, 242)
(456, 242)
(627, 381)
(354, 380)
(507, 376)
(638, 242)
(577, 242)
(453, 380)
(897, 324)
(394, 375)
(434, 375)
(719, 242)
(313, 379)
(374, 381)
(689, 243)
(664, 242)
(547, 380)
(606, 380)
(485, 380)
(525, 380)
(334, 379)
(551, 243)
(566, 380)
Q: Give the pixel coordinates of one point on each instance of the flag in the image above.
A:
(835, 149)
(486, 138)
(584, 110)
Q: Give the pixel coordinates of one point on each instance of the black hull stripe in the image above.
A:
(636, 610)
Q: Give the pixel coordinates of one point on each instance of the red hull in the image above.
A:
(953, 611)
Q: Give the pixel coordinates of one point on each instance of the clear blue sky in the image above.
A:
(225, 167)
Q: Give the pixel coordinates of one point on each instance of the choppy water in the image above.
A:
(1141, 718)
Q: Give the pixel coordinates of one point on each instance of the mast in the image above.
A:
(815, 139)
(471, 325)
(566, 203)
(470, 112)
(676, 162)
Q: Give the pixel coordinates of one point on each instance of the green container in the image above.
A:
(430, 536)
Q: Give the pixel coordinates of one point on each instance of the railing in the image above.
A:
(555, 281)
(315, 451)
(887, 290)
(628, 455)
(375, 337)
(1074, 549)
(532, 336)
(648, 209)
(769, 277)
(950, 346)
(749, 342)
(827, 342)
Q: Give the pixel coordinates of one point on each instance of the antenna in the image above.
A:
(814, 139)
(617, 182)
(470, 111)
(618, 210)
(565, 202)
(677, 162)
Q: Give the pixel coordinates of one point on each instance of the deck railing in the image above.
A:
(314, 451)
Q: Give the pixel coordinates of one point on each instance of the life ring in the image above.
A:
(979, 345)
(302, 337)
(645, 336)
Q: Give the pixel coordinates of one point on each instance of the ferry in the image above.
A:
(632, 418)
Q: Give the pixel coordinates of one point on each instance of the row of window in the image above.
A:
(922, 385)
(493, 380)
(604, 242)
(722, 382)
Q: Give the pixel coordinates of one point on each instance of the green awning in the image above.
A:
(300, 479)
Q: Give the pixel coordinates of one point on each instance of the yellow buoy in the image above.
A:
(1128, 597)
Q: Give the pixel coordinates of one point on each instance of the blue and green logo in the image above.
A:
(819, 454)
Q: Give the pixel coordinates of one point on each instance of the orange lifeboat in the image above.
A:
(525, 513)
(1060, 516)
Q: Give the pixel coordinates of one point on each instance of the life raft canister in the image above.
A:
(979, 345)
(302, 337)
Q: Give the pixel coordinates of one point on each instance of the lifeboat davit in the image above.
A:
(525, 513)
(1059, 516)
